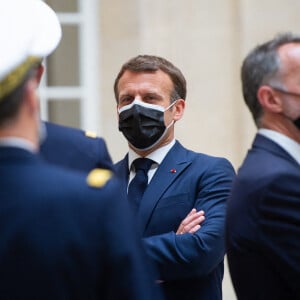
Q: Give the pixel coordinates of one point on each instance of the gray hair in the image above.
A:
(261, 66)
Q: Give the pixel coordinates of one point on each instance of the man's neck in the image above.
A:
(22, 133)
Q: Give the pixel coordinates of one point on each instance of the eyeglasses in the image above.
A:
(280, 90)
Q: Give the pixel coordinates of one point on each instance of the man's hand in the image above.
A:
(191, 223)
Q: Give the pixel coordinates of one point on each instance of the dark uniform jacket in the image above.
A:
(75, 149)
(64, 238)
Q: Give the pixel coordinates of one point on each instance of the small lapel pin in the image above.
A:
(173, 170)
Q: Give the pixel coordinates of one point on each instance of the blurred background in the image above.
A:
(207, 40)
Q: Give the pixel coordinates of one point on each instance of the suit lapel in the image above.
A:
(121, 169)
(171, 167)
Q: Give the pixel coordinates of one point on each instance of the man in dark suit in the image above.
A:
(73, 148)
(150, 94)
(63, 235)
(263, 221)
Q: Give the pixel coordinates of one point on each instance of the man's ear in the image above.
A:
(179, 107)
(39, 73)
(269, 99)
(117, 110)
(30, 94)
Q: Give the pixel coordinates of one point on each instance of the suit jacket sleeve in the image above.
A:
(189, 255)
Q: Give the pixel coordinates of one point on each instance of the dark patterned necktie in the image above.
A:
(139, 183)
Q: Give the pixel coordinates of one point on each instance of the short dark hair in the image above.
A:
(260, 67)
(150, 63)
(11, 103)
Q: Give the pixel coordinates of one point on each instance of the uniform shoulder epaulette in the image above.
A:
(97, 178)
(90, 134)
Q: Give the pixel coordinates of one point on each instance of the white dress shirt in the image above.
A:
(17, 143)
(157, 156)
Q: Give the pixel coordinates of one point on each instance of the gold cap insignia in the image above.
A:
(15, 77)
(98, 177)
(91, 134)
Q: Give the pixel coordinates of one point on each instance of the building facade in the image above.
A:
(207, 40)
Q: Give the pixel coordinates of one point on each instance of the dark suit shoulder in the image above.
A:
(198, 158)
(62, 133)
(265, 162)
(74, 148)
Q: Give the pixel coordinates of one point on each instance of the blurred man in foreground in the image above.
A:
(63, 236)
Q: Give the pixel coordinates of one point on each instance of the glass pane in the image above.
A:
(63, 5)
(63, 64)
(65, 112)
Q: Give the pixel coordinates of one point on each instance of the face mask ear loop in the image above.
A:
(172, 122)
(170, 105)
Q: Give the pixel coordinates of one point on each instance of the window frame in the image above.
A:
(88, 90)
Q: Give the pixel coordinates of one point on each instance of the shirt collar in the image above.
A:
(157, 156)
(17, 143)
(289, 145)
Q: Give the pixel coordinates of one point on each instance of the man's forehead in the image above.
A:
(145, 79)
(289, 52)
(146, 73)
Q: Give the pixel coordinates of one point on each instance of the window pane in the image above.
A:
(64, 5)
(65, 112)
(63, 64)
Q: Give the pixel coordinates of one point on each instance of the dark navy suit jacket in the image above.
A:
(70, 147)
(190, 265)
(263, 225)
(62, 239)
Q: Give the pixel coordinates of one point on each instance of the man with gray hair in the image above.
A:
(263, 219)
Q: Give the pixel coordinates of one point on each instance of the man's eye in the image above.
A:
(149, 98)
(125, 100)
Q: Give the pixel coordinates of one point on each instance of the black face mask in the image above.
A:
(143, 124)
(297, 123)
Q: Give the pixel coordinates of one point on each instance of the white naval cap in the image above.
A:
(29, 31)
